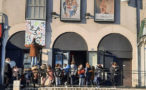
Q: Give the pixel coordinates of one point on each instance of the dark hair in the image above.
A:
(34, 41)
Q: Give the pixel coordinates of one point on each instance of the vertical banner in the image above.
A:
(1, 30)
(71, 10)
(35, 29)
(104, 10)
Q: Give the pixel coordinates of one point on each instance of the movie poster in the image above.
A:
(104, 10)
(70, 10)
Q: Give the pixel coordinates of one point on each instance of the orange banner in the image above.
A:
(1, 30)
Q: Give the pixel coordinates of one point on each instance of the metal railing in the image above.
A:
(105, 80)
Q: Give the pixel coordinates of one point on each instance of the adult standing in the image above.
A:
(88, 74)
(66, 73)
(73, 72)
(98, 74)
(34, 48)
(81, 73)
(50, 76)
(114, 69)
(58, 74)
(35, 75)
(43, 72)
(7, 72)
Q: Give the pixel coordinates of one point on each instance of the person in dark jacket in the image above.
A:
(35, 75)
(7, 72)
(58, 74)
(43, 72)
(114, 71)
(98, 74)
(28, 75)
(66, 74)
(88, 74)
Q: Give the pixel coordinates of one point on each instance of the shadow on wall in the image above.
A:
(48, 24)
(48, 30)
(5, 35)
(83, 11)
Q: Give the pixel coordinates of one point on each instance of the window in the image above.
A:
(36, 9)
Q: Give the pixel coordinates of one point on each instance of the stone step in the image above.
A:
(87, 88)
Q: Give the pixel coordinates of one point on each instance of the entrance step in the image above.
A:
(87, 88)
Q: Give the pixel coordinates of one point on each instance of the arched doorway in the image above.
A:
(69, 46)
(17, 52)
(117, 48)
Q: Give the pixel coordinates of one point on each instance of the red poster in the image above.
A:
(0, 30)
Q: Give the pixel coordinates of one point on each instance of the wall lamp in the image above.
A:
(3, 20)
(89, 16)
(55, 15)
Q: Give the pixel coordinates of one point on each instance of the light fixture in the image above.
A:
(88, 16)
(55, 15)
(1, 18)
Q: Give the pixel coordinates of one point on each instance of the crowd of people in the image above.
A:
(60, 75)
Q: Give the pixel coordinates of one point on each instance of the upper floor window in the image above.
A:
(36, 9)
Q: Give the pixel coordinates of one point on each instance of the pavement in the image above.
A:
(73, 88)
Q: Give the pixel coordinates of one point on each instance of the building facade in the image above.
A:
(141, 47)
(86, 40)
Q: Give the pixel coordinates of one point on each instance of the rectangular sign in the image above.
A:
(1, 30)
(104, 10)
(71, 10)
(35, 29)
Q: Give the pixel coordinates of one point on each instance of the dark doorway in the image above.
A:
(117, 48)
(80, 57)
(66, 57)
(69, 46)
(15, 49)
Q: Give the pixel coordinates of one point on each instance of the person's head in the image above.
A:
(8, 60)
(87, 65)
(65, 65)
(34, 41)
(49, 67)
(15, 67)
(99, 65)
(43, 66)
(114, 64)
(80, 66)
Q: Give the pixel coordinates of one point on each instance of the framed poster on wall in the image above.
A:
(70, 10)
(104, 10)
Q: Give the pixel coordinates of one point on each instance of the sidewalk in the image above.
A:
(75, 88)
(87, 88)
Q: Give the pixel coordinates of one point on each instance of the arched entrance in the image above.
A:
(16, 50)
(117, 48)
(69, 46)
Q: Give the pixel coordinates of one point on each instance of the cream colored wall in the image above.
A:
(143, 11)
(142, 62)
(142, 49)
(15, 10)
(0, 5)
(91, 31)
